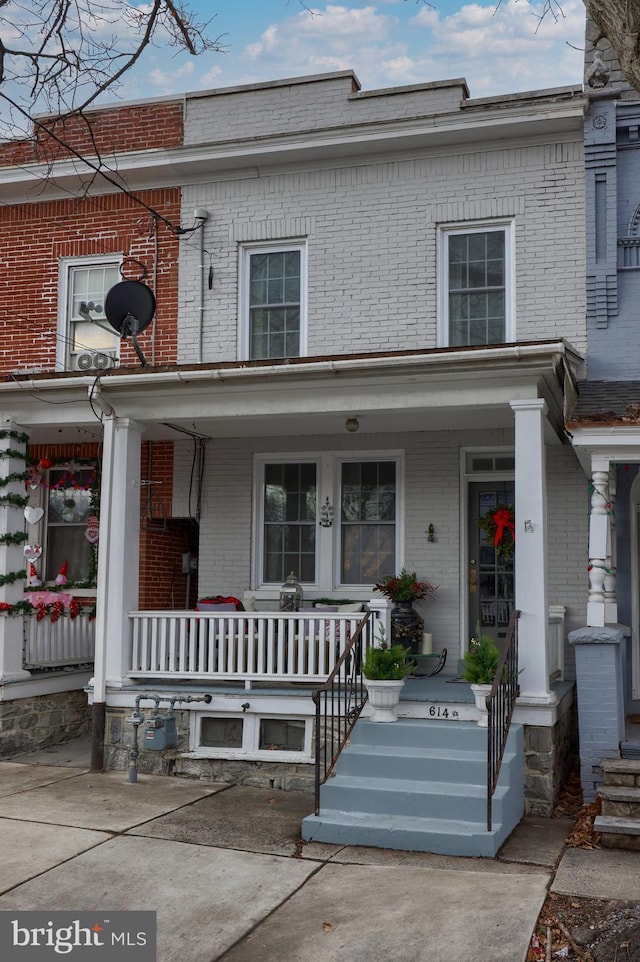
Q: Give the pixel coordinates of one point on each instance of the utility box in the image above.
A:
(161, 733)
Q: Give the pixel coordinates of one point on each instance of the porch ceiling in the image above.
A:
(423, 391)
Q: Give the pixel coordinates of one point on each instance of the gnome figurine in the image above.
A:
(61, 577)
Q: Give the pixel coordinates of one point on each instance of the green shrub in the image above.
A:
(385, 663)
(481, 660)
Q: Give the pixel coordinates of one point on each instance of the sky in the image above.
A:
(498, 47)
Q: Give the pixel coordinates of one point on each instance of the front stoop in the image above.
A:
(420, 786)
(619, 823)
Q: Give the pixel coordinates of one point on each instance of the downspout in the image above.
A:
(201, 214)
(155, 282)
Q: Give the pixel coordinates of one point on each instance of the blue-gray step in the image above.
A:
(420, 785)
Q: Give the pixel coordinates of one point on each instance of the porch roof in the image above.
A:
(436, 389)
(605, 422)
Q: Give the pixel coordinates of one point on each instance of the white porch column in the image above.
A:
(118, 563)
(531, 550)
(12, 560)
(601, 606)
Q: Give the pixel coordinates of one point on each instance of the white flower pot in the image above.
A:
(383, 698)
(480, 693)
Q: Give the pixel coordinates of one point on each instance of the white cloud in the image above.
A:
(497, 49)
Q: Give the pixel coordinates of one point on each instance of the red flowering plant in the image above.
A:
(406, 587)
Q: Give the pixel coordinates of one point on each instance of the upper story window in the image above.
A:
(273, 301)
(476, 285)
(86, 340)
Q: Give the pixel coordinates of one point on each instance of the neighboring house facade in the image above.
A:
(62, 252)
(377, 323)
(604, 421)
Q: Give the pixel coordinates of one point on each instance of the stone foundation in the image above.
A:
(287, 776)
(29, 724)
(550, 754)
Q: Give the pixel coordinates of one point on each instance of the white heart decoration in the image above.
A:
(32, 551)
(33, 514)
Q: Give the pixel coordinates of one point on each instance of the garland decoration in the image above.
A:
(15, 436)
(18, 537)
(499, 526)
(15, 500)
(53, 610)
(14, 476)
(11, 453)
(12, 577)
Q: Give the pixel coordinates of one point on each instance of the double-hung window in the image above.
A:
(476, 285)
(69, 507)
(332, 520)
(86, 340)
(273, 301)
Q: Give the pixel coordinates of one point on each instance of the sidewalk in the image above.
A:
(225, 871)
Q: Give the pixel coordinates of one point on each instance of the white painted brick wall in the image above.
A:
(306, 104)
(432, 483)
(372, 229)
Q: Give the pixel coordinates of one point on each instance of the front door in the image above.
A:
(491, 583)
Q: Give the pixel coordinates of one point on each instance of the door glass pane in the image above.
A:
(491, 596)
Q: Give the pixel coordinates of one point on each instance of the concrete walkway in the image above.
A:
(224, 868)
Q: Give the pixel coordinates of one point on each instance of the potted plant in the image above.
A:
(385, 668)
(403, 590)
(480, 666)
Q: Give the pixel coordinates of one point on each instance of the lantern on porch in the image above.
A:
(290, 594)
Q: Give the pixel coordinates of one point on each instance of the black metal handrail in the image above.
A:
(339, 703)
(500, 704)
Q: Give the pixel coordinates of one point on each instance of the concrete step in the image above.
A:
(443, 764)
(406, 833)
(422, 733)
(622, 833)
(419, 785)
(621, 801)
(620, 771)
(414, 797)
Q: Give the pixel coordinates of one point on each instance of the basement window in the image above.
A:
(281, 734)
(253, 736)
(221, 733)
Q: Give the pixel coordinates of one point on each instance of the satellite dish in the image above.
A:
(129, 306)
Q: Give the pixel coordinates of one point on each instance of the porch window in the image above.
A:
(86, 340)
(477, 288)
(290, 521)
(69, 507)
(273, 284)
(351, 539)
(368, 521)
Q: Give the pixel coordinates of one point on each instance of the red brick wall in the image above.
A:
(163, 539)
(127, 128)
(34, 236)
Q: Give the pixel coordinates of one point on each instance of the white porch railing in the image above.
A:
(67, 641)
(241, 646)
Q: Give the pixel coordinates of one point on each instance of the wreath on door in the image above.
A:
(500, 528)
